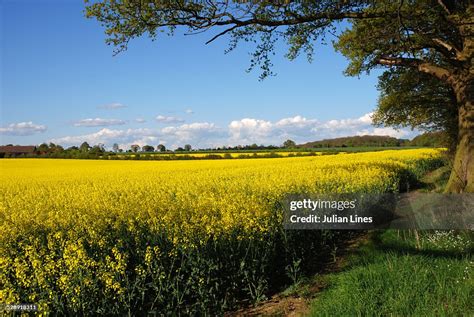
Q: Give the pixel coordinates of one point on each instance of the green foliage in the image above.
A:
(289, 144)
(411, 98)
(161, 148)
(96, 150)
(431, 139)
(85, 147)
(407, 34)
(43, 148)
(357, 141)
(428, 60)
(148, 148)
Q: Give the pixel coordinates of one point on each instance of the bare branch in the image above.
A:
(222, 33)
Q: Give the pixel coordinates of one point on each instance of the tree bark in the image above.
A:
(462, 173)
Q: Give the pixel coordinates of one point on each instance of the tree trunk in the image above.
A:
(462, 174)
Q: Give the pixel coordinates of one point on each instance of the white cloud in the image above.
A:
(365, 120)
(301, 130)
(189, 111)
(248, 130)
(197, 133)
(386, 131)
(140, 120)
(298, 121)
(112, 106)
(166, 119)
(297, 126)
(106, 136)
(146, 140)
(98, 122)
(344, 127)
(192, 127)
(22, 128)
(243, 131)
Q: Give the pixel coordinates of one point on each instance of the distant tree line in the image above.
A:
(135, 151)
(358, 141)
(434, 139)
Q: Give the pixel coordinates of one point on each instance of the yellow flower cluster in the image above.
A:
(48, 206)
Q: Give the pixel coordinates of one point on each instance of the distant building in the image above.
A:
(16, 150)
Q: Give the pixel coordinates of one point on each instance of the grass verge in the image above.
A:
(390, 276)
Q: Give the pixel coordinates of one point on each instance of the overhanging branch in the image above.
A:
(450, 48)
(222, 33)
(425, 67)
(296, 19)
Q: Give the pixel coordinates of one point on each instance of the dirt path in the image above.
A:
(297, 301)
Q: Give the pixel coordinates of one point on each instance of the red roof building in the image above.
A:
(16, 150)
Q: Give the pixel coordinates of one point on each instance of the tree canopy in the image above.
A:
(412, 99)
(289, 144)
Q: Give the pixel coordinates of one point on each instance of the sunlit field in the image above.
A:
(85, 236)
(215, 155)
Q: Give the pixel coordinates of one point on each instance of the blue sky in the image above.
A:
(61, 83)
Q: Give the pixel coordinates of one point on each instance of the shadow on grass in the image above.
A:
(403, 248)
